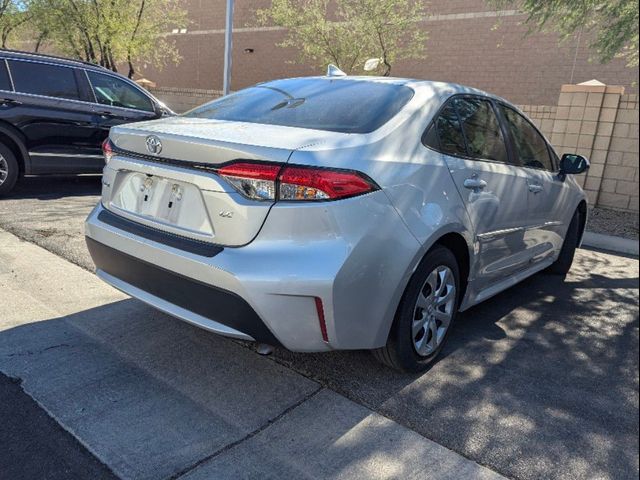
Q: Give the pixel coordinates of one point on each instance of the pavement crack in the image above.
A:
(248, 436)
(27, 353)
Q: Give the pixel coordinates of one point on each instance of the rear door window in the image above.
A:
(530, 146)
(448, 132)
(481, 129)
(44, 79)
(114, 92)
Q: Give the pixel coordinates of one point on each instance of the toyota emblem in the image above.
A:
(154, 145)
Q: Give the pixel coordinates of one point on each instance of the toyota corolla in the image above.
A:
(333, 213)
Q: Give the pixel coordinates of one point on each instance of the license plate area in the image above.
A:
(161, 202)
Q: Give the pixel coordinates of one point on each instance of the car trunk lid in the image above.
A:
(170, 182)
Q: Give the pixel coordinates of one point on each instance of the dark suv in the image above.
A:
(55, 113)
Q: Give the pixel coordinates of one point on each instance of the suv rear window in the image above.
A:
(44, 79)
(345, 106)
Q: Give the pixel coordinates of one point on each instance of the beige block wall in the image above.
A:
(182, 99)
(619, 187)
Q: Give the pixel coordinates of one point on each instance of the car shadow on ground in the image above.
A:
(540, 381)
(48, 187)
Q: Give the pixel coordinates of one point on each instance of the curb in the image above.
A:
(610, 243)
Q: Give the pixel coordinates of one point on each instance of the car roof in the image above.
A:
(20, 55)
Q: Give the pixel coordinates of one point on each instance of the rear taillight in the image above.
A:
(305, 183)
(107, 150)
(261, 181)
(254, 180)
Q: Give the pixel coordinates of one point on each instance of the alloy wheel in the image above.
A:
(433, 311)
(4, 169)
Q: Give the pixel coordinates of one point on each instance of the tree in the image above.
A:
(13, 14)
(110, 32)
(348, 32)
(613, 23)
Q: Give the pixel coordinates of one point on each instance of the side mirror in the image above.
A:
(162, 110)
(573, 164)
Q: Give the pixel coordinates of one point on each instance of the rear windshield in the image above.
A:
(345, 106)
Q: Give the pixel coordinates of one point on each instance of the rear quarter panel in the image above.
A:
(418, 186)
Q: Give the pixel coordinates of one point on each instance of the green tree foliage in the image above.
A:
(110, 32)
(612, 23)
(13, 14)
(348, 32)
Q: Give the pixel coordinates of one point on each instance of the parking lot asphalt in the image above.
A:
(153, 398)
(33, 445)
(50, 211)
(540, 381)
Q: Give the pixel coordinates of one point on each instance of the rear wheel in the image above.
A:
(8, 169)
(425, 314)
(563, 264)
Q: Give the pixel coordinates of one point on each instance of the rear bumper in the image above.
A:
(188, 299)
(354, 255)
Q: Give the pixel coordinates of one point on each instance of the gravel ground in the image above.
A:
(613, 222)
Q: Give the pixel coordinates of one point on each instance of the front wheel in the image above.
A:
(426, 312)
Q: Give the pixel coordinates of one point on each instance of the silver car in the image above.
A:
(333, 213)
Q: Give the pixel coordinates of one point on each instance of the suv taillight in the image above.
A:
(266, 181)
(107, 150)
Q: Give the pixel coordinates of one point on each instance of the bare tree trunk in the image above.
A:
(91, 55)
(133, 36)
(39, 41)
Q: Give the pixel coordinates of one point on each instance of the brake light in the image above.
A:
(261, 181)
(107, 150)
(254, 180)
(305, 183)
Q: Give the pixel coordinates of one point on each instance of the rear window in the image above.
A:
(345, 106)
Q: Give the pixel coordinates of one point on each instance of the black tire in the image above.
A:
(11, 176)
(400, 353)
(563, 264)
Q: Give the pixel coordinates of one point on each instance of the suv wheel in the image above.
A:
(426, 312)
(8, 169)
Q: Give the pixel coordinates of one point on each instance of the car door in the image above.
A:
(548, 195)
(118, 101)
(493, 189)
(53, 113)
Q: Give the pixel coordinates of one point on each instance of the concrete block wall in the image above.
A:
(182, 99)
(619, 187)
(601, 122)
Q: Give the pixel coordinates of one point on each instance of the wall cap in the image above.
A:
(587, 87)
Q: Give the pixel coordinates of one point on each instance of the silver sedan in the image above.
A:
(335, 212)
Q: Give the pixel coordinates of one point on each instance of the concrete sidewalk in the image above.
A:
(152, 397)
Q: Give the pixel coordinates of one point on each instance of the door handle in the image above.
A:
(535, 187)
(10, 101)
(107, 114)
(474, 183)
